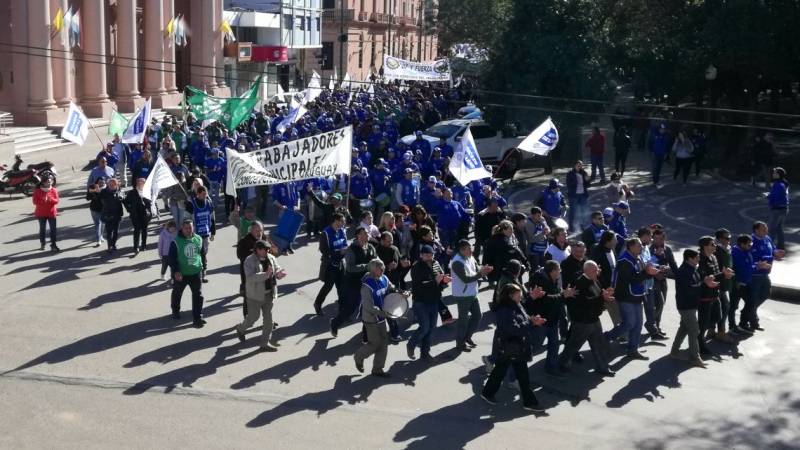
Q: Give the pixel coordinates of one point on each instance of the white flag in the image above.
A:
(331, 85)
(280, 89)
(138, 126)
(160, 178)
(466, 164)
(293, 103)
(314, 87)
(291, 118)
(77, 127)
(371, 89)
(346, 81)
(542, 140)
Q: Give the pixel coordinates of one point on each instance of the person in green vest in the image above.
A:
(187, 256)
(242, 223)
(179, 139)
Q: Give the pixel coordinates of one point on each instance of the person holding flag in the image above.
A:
(139, 208)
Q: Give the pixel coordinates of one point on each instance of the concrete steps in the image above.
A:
(29, 140)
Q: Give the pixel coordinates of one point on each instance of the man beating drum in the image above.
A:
(374, 291)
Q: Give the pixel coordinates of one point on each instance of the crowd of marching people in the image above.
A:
(417, 231)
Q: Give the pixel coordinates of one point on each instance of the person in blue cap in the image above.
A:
(407, 163)
(452, 216)
(659, 147)
(408, 191)
(462, 195)
(355, 161)
(552, 201)
(375, 137)
(216, 169)
(420, 143)
(380, 177)
(360, 189)
(429, 198)
(420, 160)
(435, 163)
(618, 224)
(363, 154)
(392, 159)
(447, 149)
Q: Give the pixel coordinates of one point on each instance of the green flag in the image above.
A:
(117, 123)
(228, 111)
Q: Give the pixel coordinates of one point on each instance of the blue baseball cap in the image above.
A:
(555, 184)
(621, 205)
(608, 212)
(419, 152)
(409, 170)
(407, 156)
(419, 133)
(362, 144)
(381, 161)
(431, 179)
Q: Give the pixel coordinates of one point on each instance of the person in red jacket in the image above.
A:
(45, 197)
(597, 147)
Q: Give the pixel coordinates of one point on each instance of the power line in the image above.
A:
(479, 91)
(362, 83)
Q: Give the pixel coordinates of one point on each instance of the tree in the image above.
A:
(476, 22)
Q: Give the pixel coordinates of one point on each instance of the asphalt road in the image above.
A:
(91, 359)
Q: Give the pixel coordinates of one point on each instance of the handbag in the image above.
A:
(513, 348)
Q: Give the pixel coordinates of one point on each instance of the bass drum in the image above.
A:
(383, 200)
(366, 204)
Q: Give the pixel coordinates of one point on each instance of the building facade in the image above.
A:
(123, 59)
(374, 28)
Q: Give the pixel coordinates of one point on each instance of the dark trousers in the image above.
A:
(659, 299)
(580, 333)
(194, 283)
(348, 303)
(521, 370)
(112, 233)
(746, 316)
(725, 307)
(164, 264)
(682, 165)
(703, 320)
(47, 221)
(620, 158)
(476, 251)
(139, 232)
(334, 276)
(658, 163)
(698, 161)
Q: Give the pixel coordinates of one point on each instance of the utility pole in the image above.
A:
(391, 10)
(342, 40)
(421, 24)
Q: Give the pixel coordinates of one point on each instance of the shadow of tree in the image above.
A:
(661, 372)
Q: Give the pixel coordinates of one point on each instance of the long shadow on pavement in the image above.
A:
(663, 372)
(124, 335)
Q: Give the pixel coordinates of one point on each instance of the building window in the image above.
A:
(327, 53)
(328, 4)
(372, 54)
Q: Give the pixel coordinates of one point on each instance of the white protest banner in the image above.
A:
(542, 140)
(160, 178)
(408, 70)
(77, 127)
(322, 155)
(466, 164)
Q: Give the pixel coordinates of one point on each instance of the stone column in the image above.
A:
(60, 61)
(40, 88)
(154, 48)
(169, 51)
(95, 100)
(127, 58)
(210, 24)
(218, 47)
(196, 44)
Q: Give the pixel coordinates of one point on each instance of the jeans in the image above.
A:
(650, 311)
(499, 372)
(426, 314)
(579, 334)
(112, 233)
(98, 226)
(597, 163)
(776, 219)
(214, 191)
(689, 327)
(349, 303)
(632, 318)
(139, 231)
(122, 173)
(683, 165)
(725, 307)
(178, 214)
(703, 319)
(658, 163)
(43, 223)
(620, 158)
(578, 214)
(760, 289)
(538, 336)
(194, 283)
(469, 316)
(334, 276)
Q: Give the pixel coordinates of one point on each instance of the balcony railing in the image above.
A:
(337, 14)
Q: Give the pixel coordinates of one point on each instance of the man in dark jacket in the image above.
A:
(244, 248)
(484, 222)
(333, 206)
(572, 265)
(548, 307)
(663, 252)
(357, 257)
(427, 282)
(584, 312)
(629, 290)
(687, 296)
(332, 248)
(605, 257)
(709, 310)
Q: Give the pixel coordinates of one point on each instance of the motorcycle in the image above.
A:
(45, 168)
(24, 181)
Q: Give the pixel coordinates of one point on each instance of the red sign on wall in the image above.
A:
(269, 54)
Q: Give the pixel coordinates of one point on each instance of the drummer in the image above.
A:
(407, 190)
(360, 189)
(379, 177)
(375, 288)
(429, 198)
